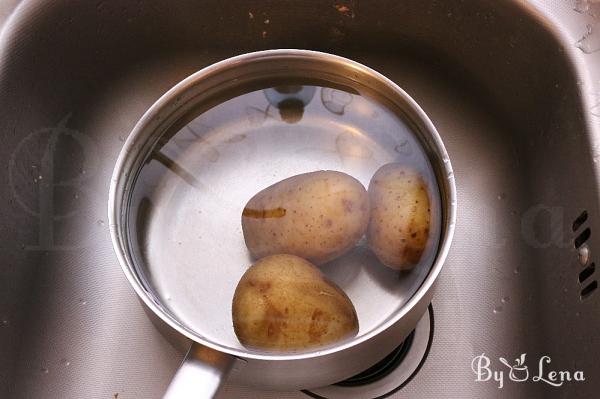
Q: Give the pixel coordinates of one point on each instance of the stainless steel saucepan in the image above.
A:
(228, 131)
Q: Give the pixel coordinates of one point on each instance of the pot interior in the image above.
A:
(182, 218)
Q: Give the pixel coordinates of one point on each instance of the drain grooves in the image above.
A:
(584, 257)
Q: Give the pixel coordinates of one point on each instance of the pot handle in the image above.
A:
(200, 375)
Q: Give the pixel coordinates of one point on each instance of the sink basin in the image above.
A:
(499, 81)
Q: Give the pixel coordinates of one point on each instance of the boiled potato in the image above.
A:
(400, 216)
(317, 216)
(283, 302)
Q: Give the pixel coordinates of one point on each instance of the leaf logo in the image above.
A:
(519, 372)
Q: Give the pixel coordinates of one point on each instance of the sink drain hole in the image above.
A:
(381, 369)
(391, 374)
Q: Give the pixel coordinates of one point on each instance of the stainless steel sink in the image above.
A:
(503, 84)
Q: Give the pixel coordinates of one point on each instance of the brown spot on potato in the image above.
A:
(264, 213)
(348, 205)
(412, 254)
(318, 325)
(274, 320)
(261, 286)
(264, 286)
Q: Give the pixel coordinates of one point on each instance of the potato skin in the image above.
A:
(317, 216)
(400, 216)
(283, 302)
